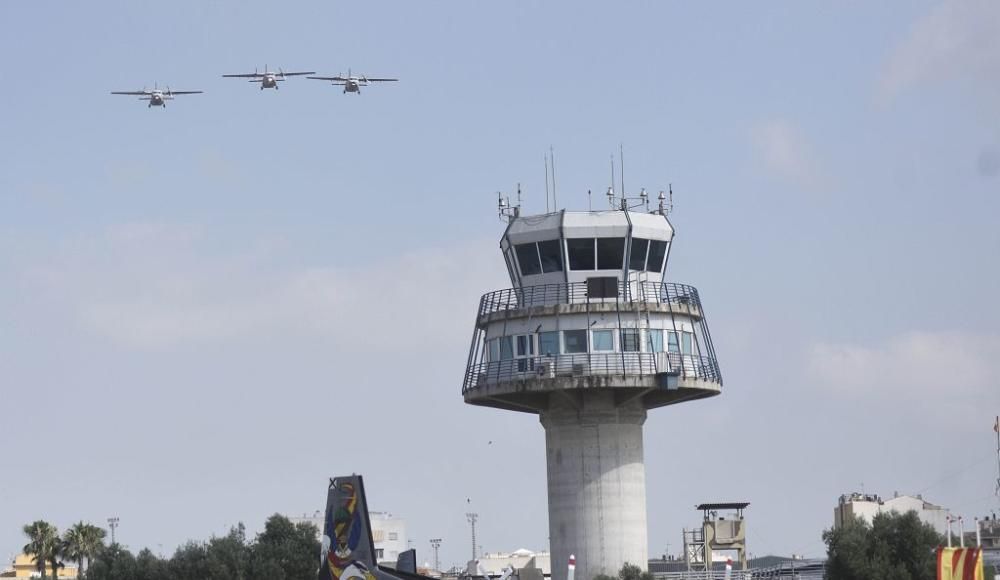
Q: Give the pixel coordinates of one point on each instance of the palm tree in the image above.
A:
(83, 542)
(44, 544)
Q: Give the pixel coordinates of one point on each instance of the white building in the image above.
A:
(388, 532)
(867, 506)
(494, 563)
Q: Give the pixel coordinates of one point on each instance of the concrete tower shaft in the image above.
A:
(596, 484)
(590, 337)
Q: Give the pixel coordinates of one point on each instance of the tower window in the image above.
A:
(527, 258)
(550, 251)
(657, 250)
(630, 340)
(655, 340)
(637, 256)
(610, 253)
(604, 340)
(672, 344)
(575, 341)
(581, 253)
(548, 343)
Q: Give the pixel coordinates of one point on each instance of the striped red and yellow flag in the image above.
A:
(960, 564)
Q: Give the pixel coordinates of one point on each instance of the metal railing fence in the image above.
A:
(591, 364)
(580, 293)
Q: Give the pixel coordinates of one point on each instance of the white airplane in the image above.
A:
(156, 97)
(268, 79)
(352, 84)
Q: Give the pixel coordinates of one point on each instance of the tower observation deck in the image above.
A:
(590, 337)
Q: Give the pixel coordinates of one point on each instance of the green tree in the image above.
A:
(44, 545)
(229, 555)
(149, 566)
(284, 551)
(83, 542)
(113, 563)
(894, 547)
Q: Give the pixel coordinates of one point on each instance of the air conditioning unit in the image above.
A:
(579, 369)
(546, 370)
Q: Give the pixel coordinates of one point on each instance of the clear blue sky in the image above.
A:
(207, 310)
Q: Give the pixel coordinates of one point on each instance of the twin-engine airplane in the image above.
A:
(156, 97)
(268, 79)
(352, 84)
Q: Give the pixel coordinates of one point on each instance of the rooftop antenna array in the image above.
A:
(622, 201)
(507, 211)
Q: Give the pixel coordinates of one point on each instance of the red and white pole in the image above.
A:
(571, 569)
(729, 569)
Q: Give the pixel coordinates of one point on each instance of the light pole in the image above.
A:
(436, 544)
(472, 517)
(113, 524)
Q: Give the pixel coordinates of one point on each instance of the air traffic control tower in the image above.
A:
(590, 337)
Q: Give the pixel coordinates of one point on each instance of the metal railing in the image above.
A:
(581, 293)
(591, 364)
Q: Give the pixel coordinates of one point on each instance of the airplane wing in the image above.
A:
(371, 80)
(137, 93)
(184, 92)
(295, 74)
(244, 76)
(341, 79)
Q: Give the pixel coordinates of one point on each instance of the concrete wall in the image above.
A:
(596, 484)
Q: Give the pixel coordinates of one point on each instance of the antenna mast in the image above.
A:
(546, 184)
(552, 155)
(621, 161)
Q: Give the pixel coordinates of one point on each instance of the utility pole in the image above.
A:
(436, 544)
(113, 524)
(472, 517)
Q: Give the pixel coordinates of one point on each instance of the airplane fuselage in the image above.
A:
(352, 87)
(156, 100)
(268, 81)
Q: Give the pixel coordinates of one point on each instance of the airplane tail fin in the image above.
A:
(347, 551)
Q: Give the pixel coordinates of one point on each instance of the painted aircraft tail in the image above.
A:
(347, 552)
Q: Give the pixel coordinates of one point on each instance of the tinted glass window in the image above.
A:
(527, 257)
(610, 253)
(548, 343)
(657, 249)
(672, 344)
(655, 340)
(581, 253)
(630, 340)
(551, 256)
(494, 349)
(686, 342)
(575, 341)
(637, 257)
(506, 350)
(604, 340)
(525, 345)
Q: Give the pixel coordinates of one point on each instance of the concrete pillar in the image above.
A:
(597, 483)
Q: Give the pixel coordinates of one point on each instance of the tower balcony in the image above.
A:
(601, 294)
(645, 341)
